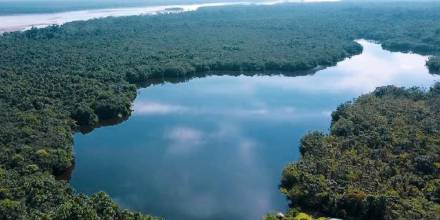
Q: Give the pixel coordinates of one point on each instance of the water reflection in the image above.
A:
(214, 147)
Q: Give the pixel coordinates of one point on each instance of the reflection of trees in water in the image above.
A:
(181, 78)
(67, 174)
(102, 123)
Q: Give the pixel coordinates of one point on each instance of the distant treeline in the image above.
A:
(11, 7)
(55, 80)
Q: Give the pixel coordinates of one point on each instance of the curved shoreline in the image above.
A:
(103, 95)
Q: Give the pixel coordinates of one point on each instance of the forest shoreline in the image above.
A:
(62, 75)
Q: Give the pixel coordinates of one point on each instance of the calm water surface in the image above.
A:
(214, 147)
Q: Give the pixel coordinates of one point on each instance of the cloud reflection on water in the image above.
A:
(184, 140)
(277, 113)
(359, 74)
(212, 202)
(151, 108)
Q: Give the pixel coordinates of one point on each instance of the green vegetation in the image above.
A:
(381, 159)
(293, 215)
(434, 65)
(57, 80)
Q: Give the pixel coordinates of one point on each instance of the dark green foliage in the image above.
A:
(37, 195)
(380, 160)
(57, 80)
(434, 65)
(84, 116)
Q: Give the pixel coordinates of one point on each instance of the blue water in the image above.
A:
(215, 147)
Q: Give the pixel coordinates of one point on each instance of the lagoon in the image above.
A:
(215, 147)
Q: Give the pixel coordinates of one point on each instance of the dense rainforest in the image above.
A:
(56, 80)
(381, 159)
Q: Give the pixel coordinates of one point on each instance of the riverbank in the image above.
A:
(22, 22)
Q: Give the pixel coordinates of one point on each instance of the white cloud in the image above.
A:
(246, 149)
(151, 108)
(185, 135)
(184, 140)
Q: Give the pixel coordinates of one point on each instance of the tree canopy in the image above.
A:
(56, 80)
(381, 159)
